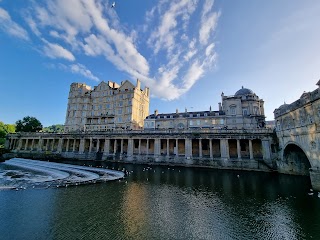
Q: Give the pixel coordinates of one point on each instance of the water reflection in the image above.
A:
(157, 202)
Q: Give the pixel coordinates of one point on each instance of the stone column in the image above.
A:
(177, 147)
(238, 149)
(188, 148)
(60, 145)
(200, 147)
(210, 147)
(68, 142)
(130, 147)
(157, 147)
(266, 149)
(224, 148)
(115, 147)
(20, 144)
(9, 143)
(147, 146)
(32, 144)
(121, 146)
(26, 145)
(139, 147)
(106, 147)
(90, 146)
(250, 149)
(40, 143)
(168, 147)
(74, 145)
(98, 145)
(81, 147)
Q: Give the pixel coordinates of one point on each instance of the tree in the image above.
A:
(28, 124)
(54, 128)
(4, 130)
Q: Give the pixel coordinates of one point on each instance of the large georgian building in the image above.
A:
(107, 106)
(244, 110)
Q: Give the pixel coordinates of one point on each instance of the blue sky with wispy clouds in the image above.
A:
(187, 52)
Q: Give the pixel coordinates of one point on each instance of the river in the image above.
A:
(158, 202)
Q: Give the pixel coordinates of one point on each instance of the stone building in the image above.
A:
(108, 106)
(244, 110)
(297, 128)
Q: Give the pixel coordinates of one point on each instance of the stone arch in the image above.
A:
(296, 159)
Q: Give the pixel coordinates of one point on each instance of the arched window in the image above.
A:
(233, 110)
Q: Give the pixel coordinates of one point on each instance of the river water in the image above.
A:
(157, 202)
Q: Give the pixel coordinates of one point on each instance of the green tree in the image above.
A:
(28, 124)
(54, 128)
(4, 130)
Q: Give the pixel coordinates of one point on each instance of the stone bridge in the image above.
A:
(298, 135)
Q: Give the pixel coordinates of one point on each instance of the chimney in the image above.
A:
(185, 110)
(220, 108)
(147, 91)
(138, 84)
(155, 112)
(177, 111)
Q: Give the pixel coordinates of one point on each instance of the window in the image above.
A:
(120, 104)
(205, 114)
(245, 111)
(191, 123)
(198, 122)
(119, 119)
(233, 110)
(198, 114)
(119, 111)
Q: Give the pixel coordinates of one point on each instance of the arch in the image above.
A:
(296, 159)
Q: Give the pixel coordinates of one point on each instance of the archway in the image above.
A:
(296, 160)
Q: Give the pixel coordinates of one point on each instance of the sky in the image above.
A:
(186, 51)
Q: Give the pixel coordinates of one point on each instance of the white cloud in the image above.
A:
(82, 70)
(180, 55)
(53, 50)
(11, 27)
(33, 26)
(163, 37)
(208, 25)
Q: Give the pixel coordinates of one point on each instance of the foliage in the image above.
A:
(4, 130)
(54, 128)
(28, 124)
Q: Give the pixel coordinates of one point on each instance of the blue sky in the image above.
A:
(187, 52)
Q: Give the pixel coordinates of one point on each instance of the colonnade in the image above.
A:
(188, 147)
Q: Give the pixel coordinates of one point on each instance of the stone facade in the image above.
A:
(244, 110)
(108, 106)
(297, 128)
(206, 147)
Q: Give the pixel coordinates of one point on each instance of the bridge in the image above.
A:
(298, 136)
